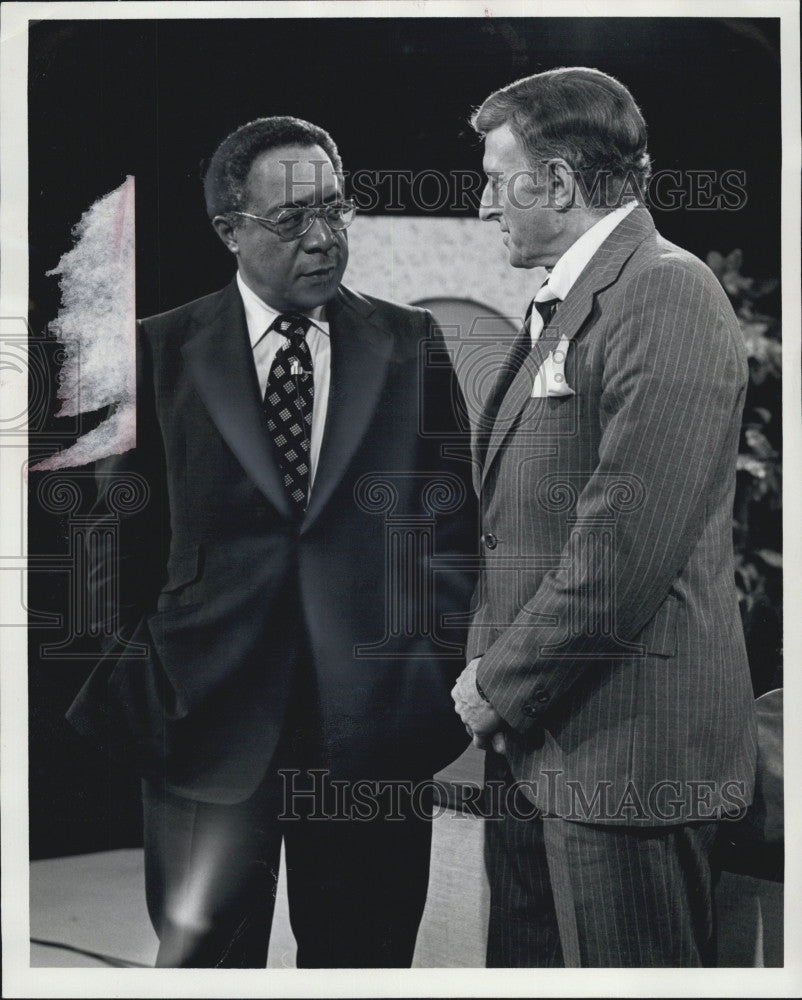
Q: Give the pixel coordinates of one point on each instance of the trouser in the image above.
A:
(586, 895)
(356, 888)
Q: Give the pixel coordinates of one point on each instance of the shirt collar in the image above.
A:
(576, 258)
(259, 315)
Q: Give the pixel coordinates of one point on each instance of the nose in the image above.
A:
(489, 208)
(320, 237)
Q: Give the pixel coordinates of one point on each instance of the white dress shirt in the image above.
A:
(575, 259)
(265, 344)
(550, 379)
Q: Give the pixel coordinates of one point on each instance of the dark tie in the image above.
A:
(288, 403)
(515, 359)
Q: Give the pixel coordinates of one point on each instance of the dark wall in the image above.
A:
(152, 99)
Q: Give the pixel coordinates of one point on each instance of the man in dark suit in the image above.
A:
(607, 674)
(279, 667)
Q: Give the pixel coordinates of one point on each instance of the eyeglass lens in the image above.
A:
(296, 221)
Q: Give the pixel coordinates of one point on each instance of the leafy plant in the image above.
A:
(757, 522)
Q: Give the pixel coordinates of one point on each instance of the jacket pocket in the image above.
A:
(659, 636)
(195, 652)
(552, 415)
(184, 567)
(145, 692)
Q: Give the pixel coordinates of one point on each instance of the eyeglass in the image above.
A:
(292, 223)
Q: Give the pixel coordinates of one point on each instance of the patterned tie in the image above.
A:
(288, 403)
(519, 353)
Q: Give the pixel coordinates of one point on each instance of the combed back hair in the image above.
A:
(225, 177)
(580, 115)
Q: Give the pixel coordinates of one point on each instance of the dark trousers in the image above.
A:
(356, 887)
(584, 896)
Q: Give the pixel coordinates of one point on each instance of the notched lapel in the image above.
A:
(519, 392)
(569, 317)
(360, 355)
(220, 360)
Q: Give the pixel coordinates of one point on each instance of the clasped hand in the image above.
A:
(482, 721)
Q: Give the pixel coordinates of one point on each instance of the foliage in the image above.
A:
(758, 499)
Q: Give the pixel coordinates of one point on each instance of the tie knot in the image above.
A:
(546, 306)
(293, 326)
(545, 302)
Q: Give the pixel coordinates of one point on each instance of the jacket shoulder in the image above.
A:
(676, 289)
(660, 274)
(665, 262)
(396, 312)
(180, 315)
(406, 326)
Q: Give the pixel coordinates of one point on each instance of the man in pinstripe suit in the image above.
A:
(607, 674)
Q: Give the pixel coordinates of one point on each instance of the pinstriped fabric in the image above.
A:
(607, 614)
(522, 929)
(632, 899)
(580, 896)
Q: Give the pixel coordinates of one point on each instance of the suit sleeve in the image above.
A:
(124, 583)
(672, 390)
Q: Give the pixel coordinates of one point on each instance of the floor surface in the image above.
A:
(96, 902)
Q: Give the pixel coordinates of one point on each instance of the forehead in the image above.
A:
(291, 174)
(503, 152)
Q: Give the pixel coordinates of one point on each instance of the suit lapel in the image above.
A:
(514, 400)
(219, 356)
(569, 317)
(360, 354)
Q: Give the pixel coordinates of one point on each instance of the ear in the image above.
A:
(227, 232)
(562, 185)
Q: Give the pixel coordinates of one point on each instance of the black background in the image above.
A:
(153, 98)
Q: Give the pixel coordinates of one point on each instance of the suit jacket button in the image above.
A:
(541, 696)
(490, 540)
(529, 710)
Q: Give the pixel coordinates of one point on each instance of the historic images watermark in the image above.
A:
(459, 191)
(316, 795)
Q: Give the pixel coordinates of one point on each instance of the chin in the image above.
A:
(311, 298)
(320, 298)
(516, 260)
(529, 261)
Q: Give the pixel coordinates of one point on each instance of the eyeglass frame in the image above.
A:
(318, 212)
